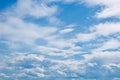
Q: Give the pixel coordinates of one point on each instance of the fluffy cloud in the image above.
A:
(108, 28)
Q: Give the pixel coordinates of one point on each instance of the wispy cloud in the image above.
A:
(111, 8)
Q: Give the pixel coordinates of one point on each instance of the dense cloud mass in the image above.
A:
(36, 42)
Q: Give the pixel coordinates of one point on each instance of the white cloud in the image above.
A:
(69, 65)
(17, 30)
(108, 28)
(61, 72)
(111, 8)
(61, 43)
(104, 57)
(116, 78)
(33, 8)
(102, 29)
(54, 20)
(68, 30)
(52, 51)
(17, 62)
(3, 75)
(65, 1)
(110, 66)
(71, 26)
(83, 37)
(111, 44)
(36, 71)
(49, 50)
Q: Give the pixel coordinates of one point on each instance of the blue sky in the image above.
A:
(59, 39)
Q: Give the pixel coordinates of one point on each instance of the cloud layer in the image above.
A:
(30, 50)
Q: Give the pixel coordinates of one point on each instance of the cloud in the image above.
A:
(19, 64)
(108, 28)
(83, 37)
(68, 30)
(111, 8)
(50, 53)
(65, 1)
(64, 52)
(16, 30)
(102, 29)
(36, 9)
(116, 79)
(61, 43)
(104, 57)
(109, 45)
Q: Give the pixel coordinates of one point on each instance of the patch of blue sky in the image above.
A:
(78, 14)
(6, 3)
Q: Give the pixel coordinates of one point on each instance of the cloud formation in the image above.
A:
(31, 50)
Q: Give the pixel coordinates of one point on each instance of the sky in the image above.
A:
(59, 40)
